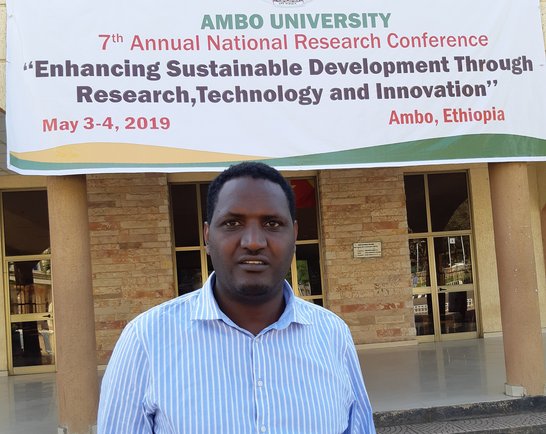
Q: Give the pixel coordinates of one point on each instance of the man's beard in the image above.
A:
(256, 293)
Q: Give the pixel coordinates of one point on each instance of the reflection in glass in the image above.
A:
(306, 208)
(420, 275)
(453, 260)
(422, 309)
(30, 287)
(188, 268)
(308, 266)
(449, 207)
(416, 208)
(457, 312)
(26, 222)
(33, 343)
(185, 222)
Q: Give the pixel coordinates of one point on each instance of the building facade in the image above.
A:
(403, 255)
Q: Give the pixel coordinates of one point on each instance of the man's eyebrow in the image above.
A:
(233, 214)
(275, 216)
(230, 215)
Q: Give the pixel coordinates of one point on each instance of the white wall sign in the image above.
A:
(367, 250)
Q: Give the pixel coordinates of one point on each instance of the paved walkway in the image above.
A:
(417, 377)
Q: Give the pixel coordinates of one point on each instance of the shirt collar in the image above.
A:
(206, 307)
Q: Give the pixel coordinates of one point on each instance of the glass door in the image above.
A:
(31, 317)
(456, 301)
(440, 249)
(27, 282)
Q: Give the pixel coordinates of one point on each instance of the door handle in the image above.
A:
(47, 316)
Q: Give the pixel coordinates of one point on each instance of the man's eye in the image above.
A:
(231, 223)
(273, 224)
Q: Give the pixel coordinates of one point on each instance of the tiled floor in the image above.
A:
(420, 376)
(431, 375)
(28, 404)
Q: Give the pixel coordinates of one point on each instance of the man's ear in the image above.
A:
(206, 236)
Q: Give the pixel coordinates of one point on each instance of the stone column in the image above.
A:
(77, 379)
(520, 314)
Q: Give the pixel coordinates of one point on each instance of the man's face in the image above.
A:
(251, 240)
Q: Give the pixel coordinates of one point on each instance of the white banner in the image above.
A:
(129, 86)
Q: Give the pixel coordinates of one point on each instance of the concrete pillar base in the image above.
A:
(517, 391)
(511, 390)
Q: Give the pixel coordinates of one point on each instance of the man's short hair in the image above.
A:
(250, 169)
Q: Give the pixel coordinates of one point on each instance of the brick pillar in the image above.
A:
(373, 295)
(520, 314)
(131, 250)
(77, 381)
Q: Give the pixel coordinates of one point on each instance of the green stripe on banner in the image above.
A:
(478, 146)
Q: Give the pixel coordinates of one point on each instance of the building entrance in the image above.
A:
(440, 249)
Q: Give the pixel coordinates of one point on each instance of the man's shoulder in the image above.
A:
(319, 315)
(179, 306)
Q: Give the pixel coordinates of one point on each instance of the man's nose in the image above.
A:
(253, 237)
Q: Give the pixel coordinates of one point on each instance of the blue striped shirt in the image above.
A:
(185, 367)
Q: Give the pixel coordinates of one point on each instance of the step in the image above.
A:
(521, 415)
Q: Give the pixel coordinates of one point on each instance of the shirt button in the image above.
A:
(263, 429)
(260, 383)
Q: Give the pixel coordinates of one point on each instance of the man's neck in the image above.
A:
(253, 318)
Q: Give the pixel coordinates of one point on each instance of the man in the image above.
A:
(242, 355)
